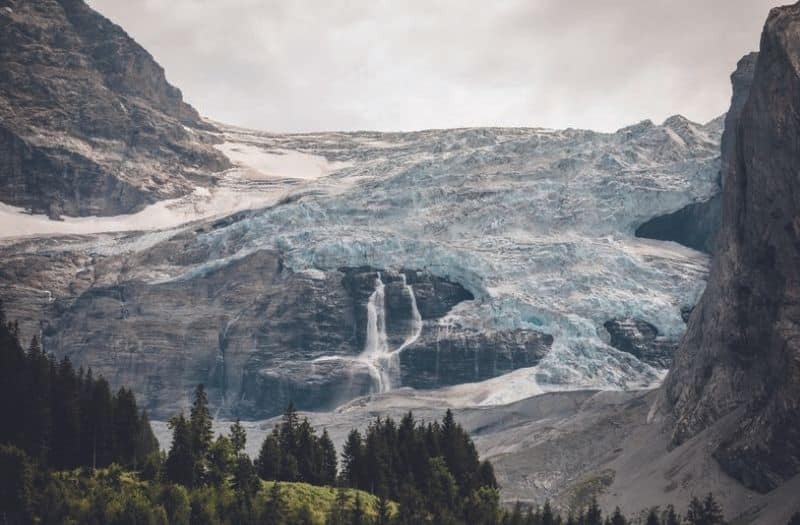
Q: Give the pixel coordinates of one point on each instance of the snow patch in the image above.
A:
(259, 163)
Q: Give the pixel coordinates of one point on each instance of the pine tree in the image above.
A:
(516, 515)
(65, 449)
(275, 512)
(594, 516)
(180, 463)
(125, 427)
(652, 517)
(306, 453)
(671, 517)
(16, 485)
(442, 490)
(338, 513)
(13, 386)
(221, 458)
(146, 443)
(200, 428)
(707, 512)
(268, 463)
(100, 421)
(37, 416)
(327, 456)
(712, 510)
(547, 514)
(617, 518)
(358, 516)
(238, 436)
(244, 480)
(352, 457)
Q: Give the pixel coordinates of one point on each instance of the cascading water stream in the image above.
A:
(416, 318)
(376, 348)
(382, 362)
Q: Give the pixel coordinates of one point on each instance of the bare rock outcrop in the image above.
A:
(741, 354)
(88, 123)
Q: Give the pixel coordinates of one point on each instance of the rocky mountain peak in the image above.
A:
(88, 123)
(739, 364)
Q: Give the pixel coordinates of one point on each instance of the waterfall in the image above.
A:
(416, 318)
(376, 355)
(377, 343)
(382, 362)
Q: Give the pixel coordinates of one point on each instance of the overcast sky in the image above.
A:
(303, 65)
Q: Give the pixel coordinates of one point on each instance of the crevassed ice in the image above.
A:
(537, 224)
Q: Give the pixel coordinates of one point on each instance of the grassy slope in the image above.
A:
(296, 495)
(320, 499)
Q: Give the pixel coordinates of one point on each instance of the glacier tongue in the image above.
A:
(537, 224)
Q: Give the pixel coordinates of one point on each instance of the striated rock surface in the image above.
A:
(255, 332)
(741, 354)
(88, 123)
(642, 340)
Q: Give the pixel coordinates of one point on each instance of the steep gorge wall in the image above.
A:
(740, 359)
(256, 333)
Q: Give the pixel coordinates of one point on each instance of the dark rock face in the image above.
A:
(443, 356)
(434, 297)
(88, 123)
(256, 333)
(741, 354)
(694, 226)
(642, 340)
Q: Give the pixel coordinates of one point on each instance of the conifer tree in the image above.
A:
(516, 515)
(180, 463)
(221, 458)
(712, 510)
(594, 516)
(268, 463)
(275, 512)
(37, 416)
(100, 432)
(238, 436)
(358, 516)
(65, 449)
(352, 456)
(617, 518)
(16, 485)
(327, 459)
(707, 512)
(338, 513)
(671, 517)
(306, 453)
(547, 514)
(200, 428)
(125, 427)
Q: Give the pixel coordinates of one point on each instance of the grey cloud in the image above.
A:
(359, 64)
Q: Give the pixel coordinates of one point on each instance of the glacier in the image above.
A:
(537, 224)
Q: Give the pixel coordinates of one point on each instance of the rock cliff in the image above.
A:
(740, 359)
(256, 333)
(88, 123)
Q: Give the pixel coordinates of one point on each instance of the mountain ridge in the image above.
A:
(88, 123)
